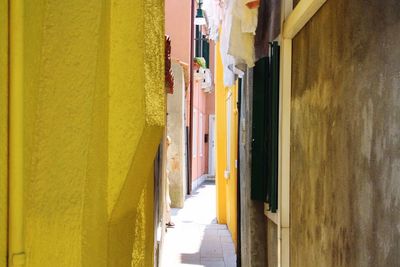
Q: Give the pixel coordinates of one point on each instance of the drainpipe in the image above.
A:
(16, 245)
(191, 91)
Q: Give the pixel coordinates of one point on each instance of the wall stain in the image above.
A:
(345, 136)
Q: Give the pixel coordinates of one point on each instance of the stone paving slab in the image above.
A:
(197, 240)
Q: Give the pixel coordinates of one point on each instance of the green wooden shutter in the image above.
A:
(259, 130)
(206, 51)
(273, 129)
(198, 39)
(202, 46)
(264, 177)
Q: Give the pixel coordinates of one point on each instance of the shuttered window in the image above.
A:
(265, 129)
(202, 44)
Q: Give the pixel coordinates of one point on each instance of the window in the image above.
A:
(202, 45)
(194, 133)
(201, 134)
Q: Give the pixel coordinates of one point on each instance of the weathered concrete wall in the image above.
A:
(345, 152)
(176, 164)
(272, 243)
(259, 240)
(252, 220)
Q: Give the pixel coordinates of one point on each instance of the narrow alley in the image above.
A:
(200, 133)
(197, 239)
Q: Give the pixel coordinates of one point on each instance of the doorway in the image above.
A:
(211, 145)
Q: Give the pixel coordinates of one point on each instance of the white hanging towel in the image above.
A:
(214, 10)
(227, 60)
(243, 26)
(247, 12)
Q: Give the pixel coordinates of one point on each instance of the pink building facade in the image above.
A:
(178, 28)
(203, 108)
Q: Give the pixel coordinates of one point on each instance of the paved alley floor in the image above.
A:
(197, 240)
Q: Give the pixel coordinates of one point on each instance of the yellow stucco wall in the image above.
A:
(137, 112)
(226, 188)
(3, 129)
(232, 182)
(94, 116)
(220, 122)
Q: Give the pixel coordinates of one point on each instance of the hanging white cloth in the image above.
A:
(227, 60)
(237, 37)
(214, 10)
(241, 45)
(247, 14)
(243, 26)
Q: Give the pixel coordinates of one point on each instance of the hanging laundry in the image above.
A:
(247, 12)
(238, 20)
(241, 44)
(253, 4)
(228, 61)
(243, 26)
(268, 27)
(214, 10)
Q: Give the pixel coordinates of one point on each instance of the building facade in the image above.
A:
(226, 99)
(86, 110)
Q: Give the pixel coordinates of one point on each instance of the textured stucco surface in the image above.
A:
(176, 163)
(64, 89)
(345, 137)
(94, 113)
(220, 139)
(137, 115)
(3, 129)
(226, 188)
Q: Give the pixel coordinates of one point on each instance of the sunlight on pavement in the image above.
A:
(197, 239)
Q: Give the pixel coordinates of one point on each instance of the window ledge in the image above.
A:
(274, 217)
